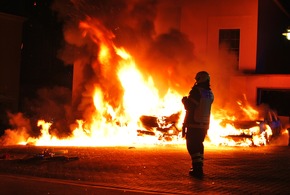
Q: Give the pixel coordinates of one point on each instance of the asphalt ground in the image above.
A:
(161, 169)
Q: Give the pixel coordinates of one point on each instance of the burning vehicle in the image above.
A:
(257, 132)
(164, 127)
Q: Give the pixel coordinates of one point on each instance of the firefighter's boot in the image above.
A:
(197, 165)
(196, 170)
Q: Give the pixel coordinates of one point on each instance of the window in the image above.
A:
(277, 99)
(230, 39)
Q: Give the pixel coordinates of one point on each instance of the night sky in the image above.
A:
(273, 48)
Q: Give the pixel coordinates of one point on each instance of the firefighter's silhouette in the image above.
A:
(196, 122)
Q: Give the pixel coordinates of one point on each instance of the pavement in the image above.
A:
(158, 169)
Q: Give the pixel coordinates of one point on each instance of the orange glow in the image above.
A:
(121, 125)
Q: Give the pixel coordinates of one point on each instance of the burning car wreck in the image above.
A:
(164, 127)
(255, 132)
(242, 132)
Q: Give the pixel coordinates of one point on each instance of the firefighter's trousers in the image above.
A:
(194, 143)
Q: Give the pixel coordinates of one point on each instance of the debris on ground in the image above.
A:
(51, 155)
(4, 156)
(44, 155)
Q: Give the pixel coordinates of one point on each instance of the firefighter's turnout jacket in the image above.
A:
(198, 106)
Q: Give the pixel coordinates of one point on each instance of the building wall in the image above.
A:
(201, 20)
(249, 84)
(10, 59)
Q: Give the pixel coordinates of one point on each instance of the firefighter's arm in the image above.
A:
(184, 99)
(186, 102)
(189, 102)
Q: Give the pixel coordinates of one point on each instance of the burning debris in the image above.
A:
(164, 126)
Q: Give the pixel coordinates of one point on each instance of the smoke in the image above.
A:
(222, 69)
(52, 105)
(169, 57)
(20, 130)
(128, 24)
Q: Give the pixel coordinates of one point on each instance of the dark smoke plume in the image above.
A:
(162, 56)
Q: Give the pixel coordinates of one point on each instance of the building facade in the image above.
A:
(251, 31)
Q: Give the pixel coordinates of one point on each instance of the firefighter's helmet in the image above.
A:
(202, 76)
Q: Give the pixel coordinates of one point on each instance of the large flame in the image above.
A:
(109, 125)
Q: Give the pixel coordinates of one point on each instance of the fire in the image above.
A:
(226, 135)
(250, 130)
(112, 126)
(122, 125)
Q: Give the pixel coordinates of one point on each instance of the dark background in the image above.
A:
(273, 49)
(42, 38)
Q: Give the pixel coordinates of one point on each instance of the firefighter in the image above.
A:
(196, 122)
